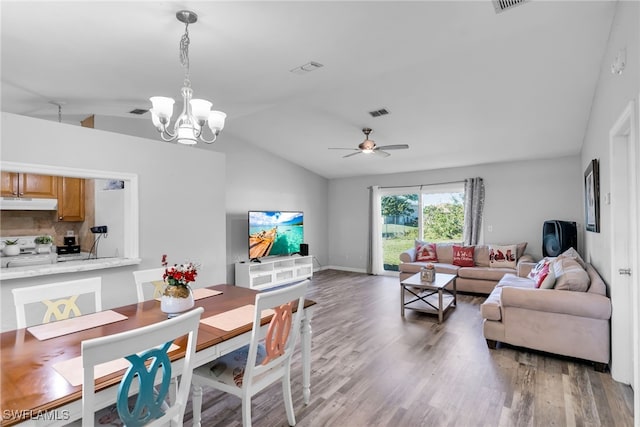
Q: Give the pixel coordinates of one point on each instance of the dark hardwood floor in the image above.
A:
(371, 367)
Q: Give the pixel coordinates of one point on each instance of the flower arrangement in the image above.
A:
(179, 274)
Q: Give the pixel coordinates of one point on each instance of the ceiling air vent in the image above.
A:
(138, 111)
(502, 5)
(378, 113)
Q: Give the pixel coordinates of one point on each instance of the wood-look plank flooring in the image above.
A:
(371, 367)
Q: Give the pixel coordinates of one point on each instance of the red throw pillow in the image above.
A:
(541, 275)
(463, 256)
(426, 252)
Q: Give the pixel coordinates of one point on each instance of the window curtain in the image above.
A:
(374, 258)
(473, 205)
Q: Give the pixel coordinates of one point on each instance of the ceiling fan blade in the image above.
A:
(350, 149)
(352, 154)
(393, 147)
(381, 153)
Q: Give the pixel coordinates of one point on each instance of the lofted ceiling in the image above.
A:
(463, 85)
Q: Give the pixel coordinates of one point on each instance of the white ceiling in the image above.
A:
(463, 84)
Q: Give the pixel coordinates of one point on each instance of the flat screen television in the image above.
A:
(275, 233)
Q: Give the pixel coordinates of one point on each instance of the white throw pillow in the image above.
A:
(502, 256)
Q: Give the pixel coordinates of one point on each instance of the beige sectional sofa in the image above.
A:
(572, 323)
(481, 278)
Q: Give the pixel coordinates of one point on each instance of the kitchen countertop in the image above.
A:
(65, 267)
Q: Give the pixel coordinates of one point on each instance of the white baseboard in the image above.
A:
(337, 267)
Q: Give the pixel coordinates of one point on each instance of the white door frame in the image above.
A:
(624, 149)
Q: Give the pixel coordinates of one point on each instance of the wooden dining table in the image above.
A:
(34, 393)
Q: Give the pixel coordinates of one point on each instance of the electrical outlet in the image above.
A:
(70, 233)
(489, 228)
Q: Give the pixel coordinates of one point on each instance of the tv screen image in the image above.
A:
(275, 233)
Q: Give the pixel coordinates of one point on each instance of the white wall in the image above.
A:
(519, 197)
(255, 180)
(613, 94)
(181, 202)
(259, 180)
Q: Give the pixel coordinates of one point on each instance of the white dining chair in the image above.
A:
(267, 358)
(59, 298)
(142, 395)
(149, 278)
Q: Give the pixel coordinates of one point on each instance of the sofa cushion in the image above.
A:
(426, 252)
(573, 254)
(415, 267)
(597, 285)
(483, 273)
(463, 256)
(520, 248)
(481, 255)
(514, 281)
(446, 268)
(502, 256)
(445, 252)
(570, 276)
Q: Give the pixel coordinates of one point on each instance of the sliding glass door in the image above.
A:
(432, 213)
(400, 225)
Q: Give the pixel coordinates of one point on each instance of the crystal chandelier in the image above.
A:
(188, 128)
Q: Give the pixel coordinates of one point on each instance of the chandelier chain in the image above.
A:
(196, 114)
(184, 54)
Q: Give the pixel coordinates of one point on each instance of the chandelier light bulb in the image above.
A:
(188, 127)
(201, 109)
(216, 121)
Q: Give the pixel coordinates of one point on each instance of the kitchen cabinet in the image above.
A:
(29, 185)
(70, 199)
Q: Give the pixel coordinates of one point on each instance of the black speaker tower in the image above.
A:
(558, 236)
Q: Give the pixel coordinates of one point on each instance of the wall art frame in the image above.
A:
(592, 196)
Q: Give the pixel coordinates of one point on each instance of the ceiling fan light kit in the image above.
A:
(196, 113)
(369, 146)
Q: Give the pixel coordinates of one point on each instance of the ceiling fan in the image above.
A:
(368, 146)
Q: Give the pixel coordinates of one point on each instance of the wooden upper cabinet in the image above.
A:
(9, 184)
(29, 185)
(70, 199)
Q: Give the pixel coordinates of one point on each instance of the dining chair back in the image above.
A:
(149, 372)
(149, 278)
(59, 299)
(265, 360)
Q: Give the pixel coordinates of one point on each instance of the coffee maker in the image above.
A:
(70, 246)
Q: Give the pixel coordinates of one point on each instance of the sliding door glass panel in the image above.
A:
(400, 223)
(442, 216)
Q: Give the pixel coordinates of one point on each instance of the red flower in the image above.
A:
(179, 275)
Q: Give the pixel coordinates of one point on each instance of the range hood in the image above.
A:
(28, 204)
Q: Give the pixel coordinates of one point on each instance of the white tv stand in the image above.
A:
(271, 272)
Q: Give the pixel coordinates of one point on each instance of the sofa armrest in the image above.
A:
(408, 256)
(524, 268)
(583, 304)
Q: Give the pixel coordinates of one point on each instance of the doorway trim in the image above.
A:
(623, 137)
